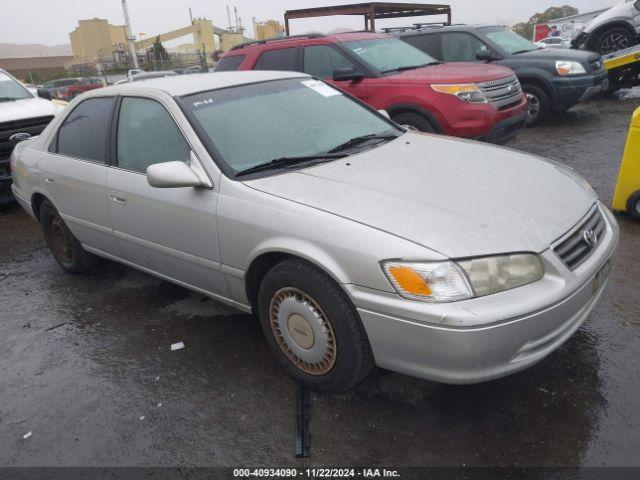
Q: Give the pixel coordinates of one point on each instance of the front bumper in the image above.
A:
(568, 91)
(490, 337)
(506, 130)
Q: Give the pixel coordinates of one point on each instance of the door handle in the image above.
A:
(118, 197)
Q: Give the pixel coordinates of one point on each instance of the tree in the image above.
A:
(526, 28)
(157, 53)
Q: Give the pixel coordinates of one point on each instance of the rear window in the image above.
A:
(229, 64)
(283, 59)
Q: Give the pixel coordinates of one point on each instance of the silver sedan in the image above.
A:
(356, 242)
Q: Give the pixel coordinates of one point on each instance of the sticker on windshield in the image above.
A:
(320, 87)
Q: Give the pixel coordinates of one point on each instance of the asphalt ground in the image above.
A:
(86, 366)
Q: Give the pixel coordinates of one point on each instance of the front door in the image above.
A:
(169, 231)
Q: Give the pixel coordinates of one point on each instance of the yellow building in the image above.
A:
(228, 40)
(268, 29)
(95, 38)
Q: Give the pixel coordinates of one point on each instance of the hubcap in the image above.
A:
(533, 107)
(60, 240)
(638, 207)
(302, 331)
(614, 42)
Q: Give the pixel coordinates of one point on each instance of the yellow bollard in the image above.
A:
(627, 195)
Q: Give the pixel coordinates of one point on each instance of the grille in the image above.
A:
(34, 126)
(578, 246)
(502, 93)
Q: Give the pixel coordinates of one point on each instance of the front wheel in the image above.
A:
(312, 327)
(538, 104)
(633, 206)
(65, 248)
(414, 121)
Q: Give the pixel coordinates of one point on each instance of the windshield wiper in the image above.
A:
(524, 51)
(289, 161)
(410, 67)
(7, 99)
(358, 140)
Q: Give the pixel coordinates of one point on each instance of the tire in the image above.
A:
(539, 104)
(612, 40)
(312, 327)
(414, 120)
(633, 206)
(64, 247)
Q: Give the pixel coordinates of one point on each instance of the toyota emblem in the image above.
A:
(590, 237)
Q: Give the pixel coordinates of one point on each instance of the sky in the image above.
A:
(49, 23)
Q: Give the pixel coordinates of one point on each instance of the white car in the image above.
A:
(616, 29)
(554, 42)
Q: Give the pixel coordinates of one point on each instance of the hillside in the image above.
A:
(14, 50)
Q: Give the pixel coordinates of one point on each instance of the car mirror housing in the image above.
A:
(173, 175)
(487, 55)
(346, 74)
(42, 93)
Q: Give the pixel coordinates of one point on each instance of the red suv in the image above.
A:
(479, 101)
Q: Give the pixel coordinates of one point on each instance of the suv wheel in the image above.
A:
(613, 40)
(538, 104)
(65, 248)
(633, 206)
(414, 121)
(312, 327)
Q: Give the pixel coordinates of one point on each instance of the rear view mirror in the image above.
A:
(19, 137)
(46, 94)
(347, 74)
(487, 55)
(173, 175)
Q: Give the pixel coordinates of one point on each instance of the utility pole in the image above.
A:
(130, 37)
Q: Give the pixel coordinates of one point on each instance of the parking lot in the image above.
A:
(87, 366)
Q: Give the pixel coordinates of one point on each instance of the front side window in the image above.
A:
(389, 55)
(147, 135)
(509, 41)
(251, 125)
(321, 61)
(283, 59)
(460, 47)
(426, 43)
(84, 132)
(229, 64)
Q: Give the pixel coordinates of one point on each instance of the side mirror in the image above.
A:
(19, 137)
(46, 94)
(347, 74)
(385, 114)
(173, 175)
(487, 55)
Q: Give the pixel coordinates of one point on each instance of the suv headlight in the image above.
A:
(566, 67)
(468, 92)
(443, 282)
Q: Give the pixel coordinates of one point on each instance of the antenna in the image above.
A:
(130, 37)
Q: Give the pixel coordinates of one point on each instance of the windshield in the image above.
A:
(509, 41)
(254, 124)
(11, 90)
(389, 54)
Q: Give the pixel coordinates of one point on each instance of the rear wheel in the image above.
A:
(312, 327)
(633, 206)
(65, 248)
(613, 40)
(414, 120)
(538, 105)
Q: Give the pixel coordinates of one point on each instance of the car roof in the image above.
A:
(463, 27)
(178, 85)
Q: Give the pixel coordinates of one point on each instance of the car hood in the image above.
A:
(27, 108)
(452, 73)
(456, 197)
(553, 54)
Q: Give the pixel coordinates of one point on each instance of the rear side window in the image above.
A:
(84, 132)
(284, 59)
(229, 64)
(460, 47)
(426, 43)
(147, 135)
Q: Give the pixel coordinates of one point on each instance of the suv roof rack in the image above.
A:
(431, 24)
(275, 39)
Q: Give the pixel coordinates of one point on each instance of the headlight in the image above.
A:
(468, 92)
(566, 67)
(442, 282)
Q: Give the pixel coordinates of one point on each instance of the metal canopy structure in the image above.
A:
(371, 12)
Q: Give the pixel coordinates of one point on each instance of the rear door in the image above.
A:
(169, 231)
(74, 172)
(322, 60)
